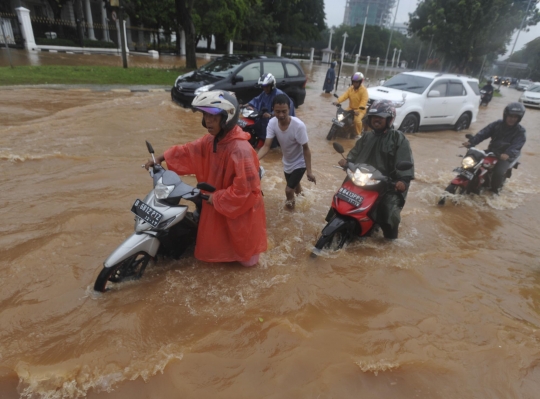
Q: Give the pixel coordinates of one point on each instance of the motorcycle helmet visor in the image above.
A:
(209, 110)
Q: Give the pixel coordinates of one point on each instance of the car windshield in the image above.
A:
(406, 82)
(535, 89)
(221, 66)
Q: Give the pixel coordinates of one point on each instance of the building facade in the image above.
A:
(379, 12)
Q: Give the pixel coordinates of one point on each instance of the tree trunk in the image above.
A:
(80, 20)
(208, 43)
(183, 12)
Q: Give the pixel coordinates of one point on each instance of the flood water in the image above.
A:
(449, 310)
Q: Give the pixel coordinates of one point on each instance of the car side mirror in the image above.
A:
(434, 93)
(238, 79)
(338, 147)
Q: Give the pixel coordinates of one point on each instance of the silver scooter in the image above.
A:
(163, 226)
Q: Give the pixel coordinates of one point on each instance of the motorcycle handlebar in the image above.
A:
(205, 197)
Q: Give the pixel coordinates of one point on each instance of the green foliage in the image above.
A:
(466, 30)
(530, 55)
(98, 44)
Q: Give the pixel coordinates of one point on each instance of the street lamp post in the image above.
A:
(394, 57)
(345, 36)
(390, 40)
(330, 41)
(363, 31)
(398, 56)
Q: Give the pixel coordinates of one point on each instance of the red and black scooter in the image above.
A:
(475, 172)
(354, 201)
(249, 122)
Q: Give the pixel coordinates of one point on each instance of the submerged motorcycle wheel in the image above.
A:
(332, 133)
(336, 240)
(452, 189)
(133, 267)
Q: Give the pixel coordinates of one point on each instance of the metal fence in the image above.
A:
(143, 39)
(60, 32)
(12, 31)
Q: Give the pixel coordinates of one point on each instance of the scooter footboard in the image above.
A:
(134, 244)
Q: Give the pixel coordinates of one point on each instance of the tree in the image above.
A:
(529, 55)
(464, 31)
(184, 9)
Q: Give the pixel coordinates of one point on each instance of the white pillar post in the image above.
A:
(394, 57)
(26, 28)
(119, 39)
(231, 46)
(106, 35)
(356, 61)
(89, 20)
(278, 49)
(377, 68)
(330, 40)
(125, 35)
(367, 64)
(312, 53)
(182, 42)
(399, 55)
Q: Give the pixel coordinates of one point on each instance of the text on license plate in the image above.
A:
(464, 173)
(336, 122)
(146, 213)
(349, 196)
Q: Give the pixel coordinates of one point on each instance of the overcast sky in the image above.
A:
(335, 10)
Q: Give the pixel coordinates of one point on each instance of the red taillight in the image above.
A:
(304, 85)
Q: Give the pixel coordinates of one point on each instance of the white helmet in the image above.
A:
(267, 79)
(218, 102)
(357, 77)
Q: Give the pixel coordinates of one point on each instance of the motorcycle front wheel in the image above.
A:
(130, 268)
(452, 189)
(335, 240)
(332, 133)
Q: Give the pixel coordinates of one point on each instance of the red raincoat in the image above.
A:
(234, 227)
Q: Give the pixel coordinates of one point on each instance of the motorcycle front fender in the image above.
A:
(335, 224)
(133, 245)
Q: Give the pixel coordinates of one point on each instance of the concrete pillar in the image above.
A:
(26, 28)
(367, 64)
(312, 54)
(106, 34)
(278, 49)
(398, 55)
(182, 43)
(118, 31)
(231, 47)
(356, 62)
(377, 68)
(394, 57)
(89, 20)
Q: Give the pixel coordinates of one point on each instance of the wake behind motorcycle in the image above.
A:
(354, 202)
(163, 226)
(475, 172)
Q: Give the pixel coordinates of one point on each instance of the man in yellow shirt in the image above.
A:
(358, 98)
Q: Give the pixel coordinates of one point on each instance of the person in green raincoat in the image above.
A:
(383, 148)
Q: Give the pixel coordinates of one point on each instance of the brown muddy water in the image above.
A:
(449, 310)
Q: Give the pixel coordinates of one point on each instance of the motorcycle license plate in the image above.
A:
(146, 213)
(349, 196)
(338, 123)
(464, 173)
(242, 123)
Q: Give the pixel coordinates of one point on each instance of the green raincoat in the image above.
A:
(383, 151)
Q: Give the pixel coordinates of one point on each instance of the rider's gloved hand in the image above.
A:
(504, 157)
(466, 144)
(342, 163)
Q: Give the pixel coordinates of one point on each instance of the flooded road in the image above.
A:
(449, 310)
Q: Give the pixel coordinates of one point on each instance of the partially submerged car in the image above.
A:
(531, 96)
(240, 74)
(429, 99)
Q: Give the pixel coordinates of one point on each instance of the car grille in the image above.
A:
(184, 89)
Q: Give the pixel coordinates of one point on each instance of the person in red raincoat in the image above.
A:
(232, 225)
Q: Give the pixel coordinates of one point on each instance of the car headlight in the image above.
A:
(468, 162)
(398, 104)
(340, 117)
(361, 179)
(203, 89)
(162, 191)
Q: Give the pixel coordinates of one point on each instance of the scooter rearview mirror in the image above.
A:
(149, 146)
(338, 147)
(336, 96)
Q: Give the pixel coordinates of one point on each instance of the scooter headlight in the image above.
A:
(162, 191)
(468, 162)
(361, 179)
(340, 117)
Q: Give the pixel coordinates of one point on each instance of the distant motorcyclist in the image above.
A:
(488, 88)
(507, 139)
(263, 103)
(358, 98)
(383, 148)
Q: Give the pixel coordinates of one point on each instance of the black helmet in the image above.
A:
(516, 109)
(384, 109)
(218, 102)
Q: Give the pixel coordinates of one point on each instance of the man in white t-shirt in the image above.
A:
(291, 134)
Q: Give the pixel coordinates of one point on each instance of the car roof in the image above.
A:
(433, 75)
(249, 57)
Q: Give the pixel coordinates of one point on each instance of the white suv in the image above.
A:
(429, 99)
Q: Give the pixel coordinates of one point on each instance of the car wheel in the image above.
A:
(462, 123)
(409, 124)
